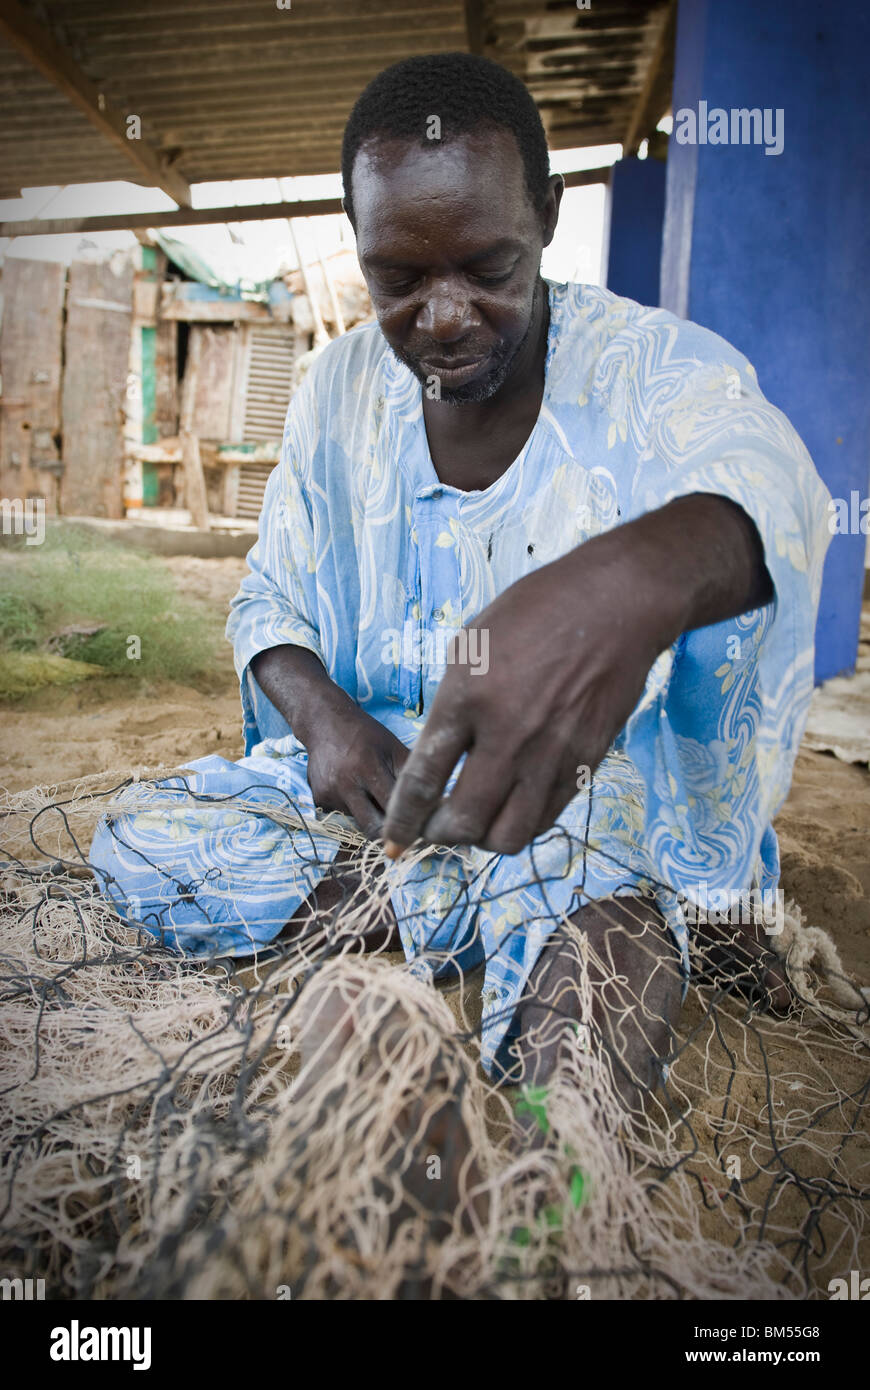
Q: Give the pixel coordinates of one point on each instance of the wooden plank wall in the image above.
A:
(166, 368)
(96, 360)
(214, 352)
(30, 368)
(160, 393)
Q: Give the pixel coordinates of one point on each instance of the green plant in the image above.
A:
(150, 631)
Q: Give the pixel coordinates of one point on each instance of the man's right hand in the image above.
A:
(353, 764)
(353, 760)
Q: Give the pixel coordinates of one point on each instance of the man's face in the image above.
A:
(450, 246)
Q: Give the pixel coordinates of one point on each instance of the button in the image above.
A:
(438, 615)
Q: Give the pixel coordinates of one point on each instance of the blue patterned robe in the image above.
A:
(365, 558)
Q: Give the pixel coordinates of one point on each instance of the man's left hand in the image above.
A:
(570, 647)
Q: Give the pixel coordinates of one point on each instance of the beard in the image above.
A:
(502, 358)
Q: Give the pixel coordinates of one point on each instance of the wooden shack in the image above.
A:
(127, 385)
(64, 349)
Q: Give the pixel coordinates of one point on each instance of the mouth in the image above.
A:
(455, 371)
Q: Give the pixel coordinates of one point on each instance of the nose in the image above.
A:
(446, 315)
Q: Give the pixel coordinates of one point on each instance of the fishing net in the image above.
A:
(313, 1122)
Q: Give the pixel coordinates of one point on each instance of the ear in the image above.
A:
(346, 211)
(551, 207)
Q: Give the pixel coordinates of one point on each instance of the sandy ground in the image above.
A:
(65, 733)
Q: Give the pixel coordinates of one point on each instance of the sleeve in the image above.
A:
(715, 432)
(277, 601)
(734, 696)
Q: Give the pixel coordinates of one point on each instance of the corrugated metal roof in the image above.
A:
(242, 89)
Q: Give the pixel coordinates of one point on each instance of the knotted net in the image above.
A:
(314, 1122)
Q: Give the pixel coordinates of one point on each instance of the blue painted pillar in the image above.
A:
(636, 210)
(772, 251)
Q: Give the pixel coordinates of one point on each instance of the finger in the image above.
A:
(396, 755)
(422, 780)
(482, 789)
(367, 815)
(564, 791)
(519, 819)
(378, 783)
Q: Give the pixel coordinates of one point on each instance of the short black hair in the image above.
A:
(466, 93)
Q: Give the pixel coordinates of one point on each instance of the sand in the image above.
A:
(63, 733)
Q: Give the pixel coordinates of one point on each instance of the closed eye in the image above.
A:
(486, 278)
(398, 286)
(493, 277)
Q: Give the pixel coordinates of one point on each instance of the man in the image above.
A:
(622, 539)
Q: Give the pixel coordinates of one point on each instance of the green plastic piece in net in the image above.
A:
(533, 1102)
(578, 1189)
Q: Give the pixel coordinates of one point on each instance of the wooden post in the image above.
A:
(194, 481)
(231, 488)
(321, 337)
(330, 289)
(195, 495)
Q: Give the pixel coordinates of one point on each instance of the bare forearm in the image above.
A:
(696, 561)
(353, 761)
(718, 554)
(297, 684)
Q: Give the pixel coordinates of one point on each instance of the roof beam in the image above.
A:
(475, 26)
(656, 91)
(198, 217)
(179, 217)
(42, 51)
